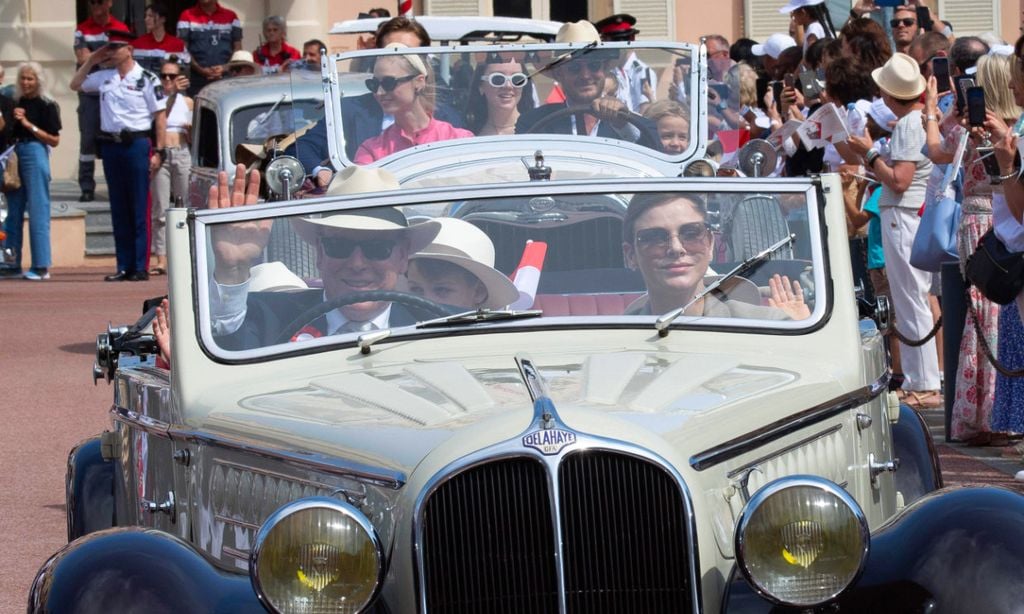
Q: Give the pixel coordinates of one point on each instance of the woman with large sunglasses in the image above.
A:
(170, 180)
(667, 238)
(500, 91)
(402, 86)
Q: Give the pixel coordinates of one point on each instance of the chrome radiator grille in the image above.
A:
(489, 543)
(624, 536)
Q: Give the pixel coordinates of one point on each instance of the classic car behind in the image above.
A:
(589, 454)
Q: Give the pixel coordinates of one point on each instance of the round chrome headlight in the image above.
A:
(316, 555)
(801, 541)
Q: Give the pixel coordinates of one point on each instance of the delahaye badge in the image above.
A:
(549, 441)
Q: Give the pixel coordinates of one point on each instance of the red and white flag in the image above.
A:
(527, 275)
(405, 8)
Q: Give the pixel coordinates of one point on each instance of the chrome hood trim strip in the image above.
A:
(779, 429)
(376, 476)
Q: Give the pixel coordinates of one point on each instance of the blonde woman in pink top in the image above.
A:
(401, 87)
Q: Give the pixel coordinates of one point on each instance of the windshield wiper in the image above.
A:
(662, 323)
(481, 315)
(570, 55)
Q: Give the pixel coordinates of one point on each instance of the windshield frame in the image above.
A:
(697, 104)
(200, 220)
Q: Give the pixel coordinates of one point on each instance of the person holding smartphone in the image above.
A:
(976, 377)
(903, 192)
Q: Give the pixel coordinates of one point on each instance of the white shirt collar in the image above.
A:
(335, 319)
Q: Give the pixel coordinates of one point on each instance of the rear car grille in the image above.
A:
(489, 543)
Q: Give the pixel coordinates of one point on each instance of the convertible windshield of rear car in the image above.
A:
(637, 95)
(329, 271)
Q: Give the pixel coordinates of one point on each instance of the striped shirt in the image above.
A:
(209, 38)
(151, 53)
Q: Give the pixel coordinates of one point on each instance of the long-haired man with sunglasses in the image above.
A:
(582, 78)
(364, 250)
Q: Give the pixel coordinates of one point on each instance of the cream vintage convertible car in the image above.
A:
(586, 447)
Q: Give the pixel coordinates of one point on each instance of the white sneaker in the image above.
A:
(34, 275)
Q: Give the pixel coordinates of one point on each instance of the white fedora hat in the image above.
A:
(274, 277)
(468, 247)
(242, 58)
(581, 31)
(900, 77)
(360, 180)
(799, 4)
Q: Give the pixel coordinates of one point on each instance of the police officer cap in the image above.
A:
(617, 27)
(117, 35)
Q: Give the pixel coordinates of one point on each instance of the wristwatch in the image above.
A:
(931, 118)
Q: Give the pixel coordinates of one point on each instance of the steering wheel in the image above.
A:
(637, 120)
(419, 307)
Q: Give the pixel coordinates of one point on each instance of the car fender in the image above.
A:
(89, 485)
(136, 570)
(919, 472)
(954, 550)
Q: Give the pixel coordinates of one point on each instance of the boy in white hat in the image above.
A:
(458, 269)
(903, 193)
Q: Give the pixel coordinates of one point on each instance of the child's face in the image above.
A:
(450, 288)
(674, 133)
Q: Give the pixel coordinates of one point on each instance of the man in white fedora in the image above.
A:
(364, 250)
(242, 64)
(458, 269)
(581, 76)
(904, 180)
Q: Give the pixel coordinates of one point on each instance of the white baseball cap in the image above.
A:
(799, 4)
(774, 46)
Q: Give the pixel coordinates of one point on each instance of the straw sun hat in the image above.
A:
(900, 77)
(359, 180)
(468, 247)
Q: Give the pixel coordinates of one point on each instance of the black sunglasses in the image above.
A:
(388, 83)
(906, 21)
(692, 237)
(576, 66)
(170, 75)
(373, 249)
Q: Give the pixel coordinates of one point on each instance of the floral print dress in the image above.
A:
(976, 377)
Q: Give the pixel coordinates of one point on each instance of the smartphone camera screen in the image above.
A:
(777, 95)
(976, 106)
(762, 89)
(940, 68)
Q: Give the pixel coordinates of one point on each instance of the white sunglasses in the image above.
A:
(499, 79)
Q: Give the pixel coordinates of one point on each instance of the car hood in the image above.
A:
(393, 416)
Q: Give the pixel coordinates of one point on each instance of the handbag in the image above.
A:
(997, 272)
(935, 241)
(12, 180)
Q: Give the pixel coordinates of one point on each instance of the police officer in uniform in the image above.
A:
(131, 105)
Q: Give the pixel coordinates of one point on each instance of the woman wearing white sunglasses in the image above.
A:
(501, 91)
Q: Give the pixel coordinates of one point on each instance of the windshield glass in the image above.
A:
(322, 272)
(417, 98)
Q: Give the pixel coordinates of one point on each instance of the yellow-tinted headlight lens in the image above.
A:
(801, 541)
(316, 555)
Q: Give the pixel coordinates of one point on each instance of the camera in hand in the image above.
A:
(940, 68)
(976, 106)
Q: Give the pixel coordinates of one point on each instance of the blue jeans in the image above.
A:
(32, 197)
(126, 166)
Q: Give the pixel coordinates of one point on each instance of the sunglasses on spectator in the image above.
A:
(576, 66)
(170, 75)
(373, 249)
(498, 79)
(388, 83)
(692, 236)
(906, 22)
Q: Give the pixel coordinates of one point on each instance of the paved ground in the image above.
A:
(49, 404)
